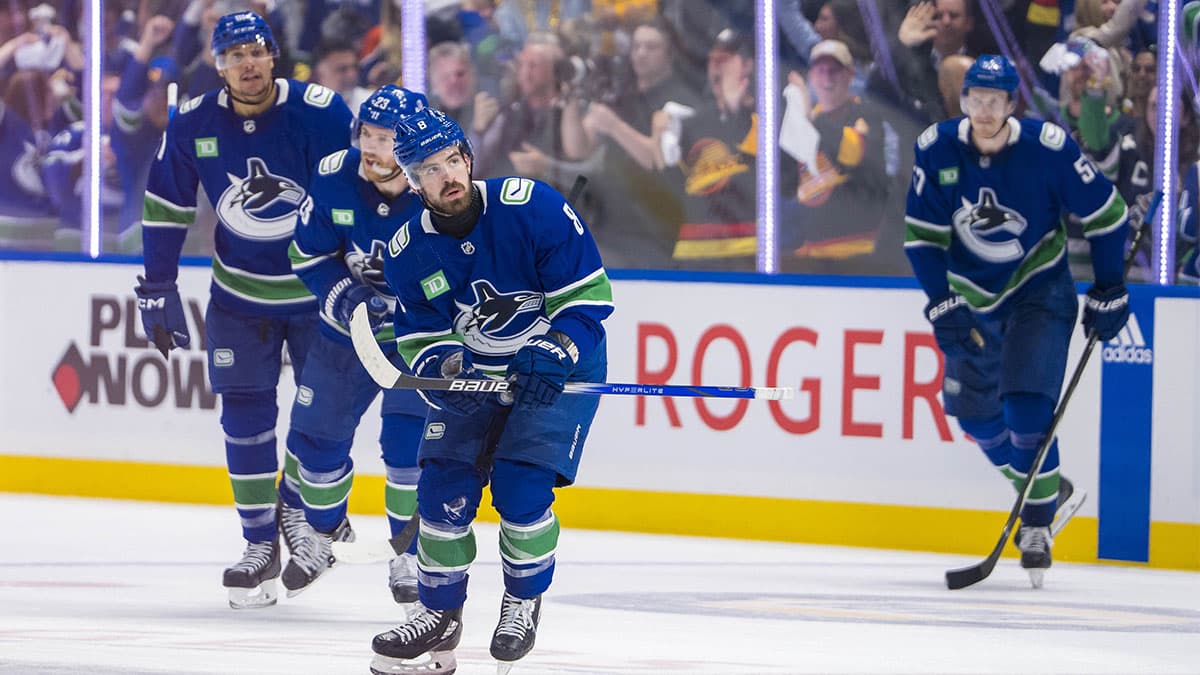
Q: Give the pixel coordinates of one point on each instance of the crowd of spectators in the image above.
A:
(653, 100)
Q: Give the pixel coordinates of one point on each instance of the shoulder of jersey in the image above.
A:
(339, 166)
(938, 136)
(1044, 135)
(517, 191)
(409, 237)
(193, 114)
(309, 96)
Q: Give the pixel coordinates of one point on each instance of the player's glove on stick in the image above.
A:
(162, 314)
(954, 326)
(449, 363)
(347, 294)
(1105, 311)
(540, 368)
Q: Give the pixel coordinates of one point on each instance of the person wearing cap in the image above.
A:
(842, 196)
(986, 241)
(253, 145)
(716, 164)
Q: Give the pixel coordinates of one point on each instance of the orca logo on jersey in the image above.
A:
(367, 267)
(989, 229)
(262, 205)
(499, 323)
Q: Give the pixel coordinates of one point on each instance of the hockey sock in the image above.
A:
(523, 494)
(289, 483)
(400, 438)
(400, 499)
(993, 438)
(248, 419)
(448, 494)
(325, 494)
(1028, 416)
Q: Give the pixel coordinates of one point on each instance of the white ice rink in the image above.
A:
(101, 587)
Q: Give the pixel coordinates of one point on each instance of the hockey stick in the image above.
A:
(389, 376)
(973, 574)
(363, 552)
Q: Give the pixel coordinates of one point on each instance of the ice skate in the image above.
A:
(251, 580)
(1069, 501)
(402, 578)
(292, 524)
(424, 643)
(312, 557)
(516, 631)
(1035, 543)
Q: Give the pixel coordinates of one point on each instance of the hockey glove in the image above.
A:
(450, 363)
(540, 368)
(954, 326)
(1105, 311)
(346, 295)
(162, 314)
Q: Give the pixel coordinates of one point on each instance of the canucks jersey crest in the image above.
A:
(989, 229)
(499, 323)
(367, 266)
(260, 205)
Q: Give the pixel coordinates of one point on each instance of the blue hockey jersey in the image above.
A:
(529, 265)
(985, 226)
(343, 230)
(254, 171)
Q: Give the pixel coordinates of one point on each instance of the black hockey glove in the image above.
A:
(449, 363)
(1105, 311)
(954, 326)
(162, 314)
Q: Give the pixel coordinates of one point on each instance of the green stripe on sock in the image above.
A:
(519, 545)
(324, 495)
(253, 491)
(443, 555)
(291, 466)
(400, 502)
(1044, 486)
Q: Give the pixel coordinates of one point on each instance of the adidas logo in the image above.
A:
(1129, 346)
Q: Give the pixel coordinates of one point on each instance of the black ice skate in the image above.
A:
(1035, 543)
(313, 555)
(291, 524)
(251, 580)
(402, 578)
(516, 631)
(424, 643)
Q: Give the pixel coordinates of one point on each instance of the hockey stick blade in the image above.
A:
(966, 576)
(389, 376)
(363, 552)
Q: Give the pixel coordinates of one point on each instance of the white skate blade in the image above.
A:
(253, 598)
(1066, 511)
(363, 552)
(502, 667)
(433, 663)
(1036, 576)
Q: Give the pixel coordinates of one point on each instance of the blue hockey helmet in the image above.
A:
(992, 71)
(388, 105)
(240, 28)
(425, 132)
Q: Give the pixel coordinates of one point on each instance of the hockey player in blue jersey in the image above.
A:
(986, 242)
(357, 199)
(252, 145)
(497, 278)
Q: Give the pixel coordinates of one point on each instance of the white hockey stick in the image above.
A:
(391, 377)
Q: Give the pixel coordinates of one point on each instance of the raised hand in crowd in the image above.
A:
(487, 107)
(156, 33)
(919, 25)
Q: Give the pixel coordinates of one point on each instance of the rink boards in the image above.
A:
(862, 456)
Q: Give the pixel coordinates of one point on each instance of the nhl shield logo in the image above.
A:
(248, 126)
(468, 247)
(383, 210)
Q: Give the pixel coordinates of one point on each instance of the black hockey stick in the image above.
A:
(973, 574)
(361, 552)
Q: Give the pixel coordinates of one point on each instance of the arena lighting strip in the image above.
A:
(412, 37)
(93, 13)
(1165, 140)
(766, 57)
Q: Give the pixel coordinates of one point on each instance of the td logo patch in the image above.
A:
(434, 285)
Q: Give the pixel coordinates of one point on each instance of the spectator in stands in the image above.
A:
(46, 46)
(317, 12)
(930, 32)
(335, 65)
(841, 197)
(531, 140)
(641, 209)
(1143, 73)
(714, 154)
(27, 219)
(454, 89)
(950, 81)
